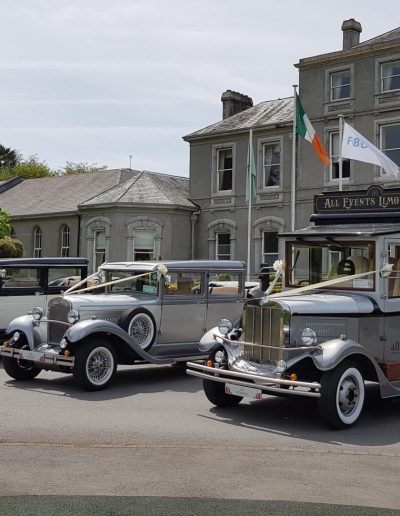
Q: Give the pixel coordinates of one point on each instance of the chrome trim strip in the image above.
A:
(219, 373)
(263, 388)
(48, 358)
(242, 343)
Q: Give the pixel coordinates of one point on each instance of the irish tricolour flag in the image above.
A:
(306, 130)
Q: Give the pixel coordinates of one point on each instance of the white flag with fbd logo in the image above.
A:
(355, 146)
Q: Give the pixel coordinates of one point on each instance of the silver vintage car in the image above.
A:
(335, 326)
(127, 313)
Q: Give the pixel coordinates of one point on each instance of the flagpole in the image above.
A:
(293, 185)
(340, 153)
(250, 185)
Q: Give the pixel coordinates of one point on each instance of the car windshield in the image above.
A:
(132, 281)
(313, 262)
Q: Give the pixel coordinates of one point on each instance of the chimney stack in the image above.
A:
(234, 102)
(351, 33)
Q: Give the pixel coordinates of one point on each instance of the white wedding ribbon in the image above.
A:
(161, 270)
(385, 271)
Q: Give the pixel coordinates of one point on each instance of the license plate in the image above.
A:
(244, 392)
(27, 354)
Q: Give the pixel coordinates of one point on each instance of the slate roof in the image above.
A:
(146, 188)
(269, 112)
(63, 194)
(391, 35)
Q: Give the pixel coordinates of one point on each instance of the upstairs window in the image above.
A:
(37, 242)
(390, 141)
(224, 169)
(334, 155)
(65, 234)
(272, 164)
(340, 85)
(223, 246)
(390, 76)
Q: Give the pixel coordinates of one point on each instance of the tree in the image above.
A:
(29, 168)
(5, 227)
(8, 157)
(11, 248)
(71, 168)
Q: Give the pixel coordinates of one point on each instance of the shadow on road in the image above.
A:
(299, 418)
(128, 381)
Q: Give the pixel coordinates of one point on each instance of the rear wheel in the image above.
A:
(20, 369)
(342, 395)
(95, 365)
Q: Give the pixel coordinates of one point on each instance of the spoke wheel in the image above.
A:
(95, 365)
(342, 395)
(140, 325)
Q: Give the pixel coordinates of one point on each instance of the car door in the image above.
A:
(391, 295)
(225, 297)
(21, 290)
(183, 311)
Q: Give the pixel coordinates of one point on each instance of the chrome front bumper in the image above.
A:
(38, 357)
(265, 384)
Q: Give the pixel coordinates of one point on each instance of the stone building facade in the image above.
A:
(361, 82)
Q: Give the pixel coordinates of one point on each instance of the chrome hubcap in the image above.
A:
(349, 393)
(100, 364)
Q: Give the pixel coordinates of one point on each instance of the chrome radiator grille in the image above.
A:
(57, 311)
(263, 326)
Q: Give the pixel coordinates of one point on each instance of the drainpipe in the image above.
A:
(193, 219)
(78, 247)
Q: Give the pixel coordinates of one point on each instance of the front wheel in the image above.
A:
(342, 395)
(20, 369)
(95, 365)
(215, 392)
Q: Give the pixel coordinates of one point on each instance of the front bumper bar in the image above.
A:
(38, 357)
(264, 383)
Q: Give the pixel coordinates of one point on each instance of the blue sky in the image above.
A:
(96, 81)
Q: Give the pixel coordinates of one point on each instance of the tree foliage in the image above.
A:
(71, 168)
(29, 168)
(5, 227)
(8, 157)
(11, 248)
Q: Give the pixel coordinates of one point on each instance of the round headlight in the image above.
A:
(73, 316)
(37, 313)
(63, 343)
(224, 326)
(308, 337)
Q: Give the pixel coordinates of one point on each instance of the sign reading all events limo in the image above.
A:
(374, 199)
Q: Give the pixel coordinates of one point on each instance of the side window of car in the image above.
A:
(183, 284)
(22, 278)
(63, 276)
(224, 284)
